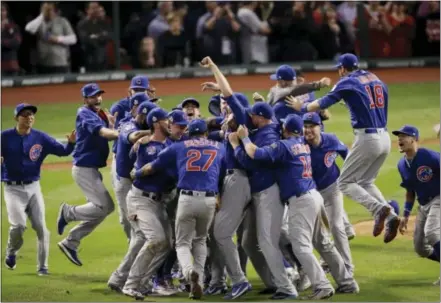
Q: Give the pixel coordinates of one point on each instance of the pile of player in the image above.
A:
(265, 172)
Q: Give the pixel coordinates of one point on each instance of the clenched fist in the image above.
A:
(206, 62)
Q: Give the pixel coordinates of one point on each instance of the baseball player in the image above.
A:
(200, 164)
(122, 182)
(130, 132)
(324, 150)
(420, 176)
(146, 209)
(94, 128)
(366, 96)
(22, 153)
(297, 187)
(191, 108)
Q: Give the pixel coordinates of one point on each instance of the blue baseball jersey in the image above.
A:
(122, 107)
(281, 110)
(422, 175)
(23, 155)
(199, 162)
(124, 163)
(292, 160)
(160, 180)
(261, 175)
(324, 169)
(366, 97)
(91, 149)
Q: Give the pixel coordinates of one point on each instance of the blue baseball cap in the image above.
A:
(242, 99)
(177, 107)
(293, 124)
(137, 99)
(214, 105)
(347, 60)
(262, 109)
(145, 107)
(312, 118)
(408, 130)
(155, 115)
(139, 82)
(178, 117)
(190, 100)
(90, 90)
(197, 126)
(284, 72)
(22, 106)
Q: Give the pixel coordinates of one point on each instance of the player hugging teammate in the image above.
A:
(264, 173)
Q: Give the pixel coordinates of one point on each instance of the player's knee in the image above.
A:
(158, 245)
(432, 236)
(219, 232)
(342, 185)
(423, 250)
(17, 229)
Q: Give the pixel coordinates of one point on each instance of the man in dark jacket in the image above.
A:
(11, 40)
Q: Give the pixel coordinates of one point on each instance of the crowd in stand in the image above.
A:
(167, 34)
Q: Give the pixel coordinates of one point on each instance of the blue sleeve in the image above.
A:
(92, 124)
(271, 153)
(240, 113)
(165, 157)
(334, 96)
(54, 147)
(117, 108)
(341, 148)
(126, 130)
(242, 157)
(436, 159)
(403, 183)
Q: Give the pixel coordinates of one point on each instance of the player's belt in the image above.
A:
(369, 130)
(18, 182)
(153, 196)
(195, 193)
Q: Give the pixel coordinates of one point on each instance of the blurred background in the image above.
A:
(68, 36)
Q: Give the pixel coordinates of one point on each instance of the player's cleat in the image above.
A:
(268, 291)
(379, 220)
(238, 290)
(133, 293)
(303, 283)
(391, 229)
(195, 287)
(114, 287)
(10, 262)
(42, 272)
(61, 221)
(352, 288)
(283, 296)
(216, 290)
(162, 288)
(71, 254)
(321, 294)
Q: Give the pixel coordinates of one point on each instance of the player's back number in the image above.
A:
(194, 162)
(376, 96)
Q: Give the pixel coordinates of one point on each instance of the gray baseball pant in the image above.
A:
(99, 205)
(333, 200)
(193, 220)
(235, 197)
(361, 168)
(427, 227)
(27, 201)
(269, 217)
(152, 220)
(122, 188)
(217, 263)
(306, 232)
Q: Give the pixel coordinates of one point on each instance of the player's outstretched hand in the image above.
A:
(72, 137)
(210, 86)
(206, 62)
(294, 103)
(258, 97)
(325, 82)
(403, 225)
(242, 131)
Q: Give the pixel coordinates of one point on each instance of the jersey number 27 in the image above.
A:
(195, 155)
(376, 96)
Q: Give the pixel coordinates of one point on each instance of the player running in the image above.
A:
(22, 153)
(420, 176)
(366, 96)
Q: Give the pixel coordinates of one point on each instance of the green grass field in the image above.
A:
(391, 272)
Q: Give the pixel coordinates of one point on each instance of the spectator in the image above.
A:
(159, 24)
(216, 31)
(171, 45)
(132, 36)
(427, 42)
(94, 33)
(147, 53)
(11, 40)
(401, 29)
(54, 36)
(347, 13)
(253, 38)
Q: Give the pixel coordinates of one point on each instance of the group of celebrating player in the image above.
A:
(265, 173)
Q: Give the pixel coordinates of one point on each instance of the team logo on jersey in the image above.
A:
(330, 158)
(35, 152)
(424, 173)
(151, 150)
